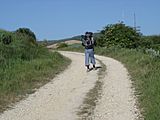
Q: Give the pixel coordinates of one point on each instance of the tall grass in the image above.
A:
(24, 67)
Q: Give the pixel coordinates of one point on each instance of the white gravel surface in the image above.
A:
(61, 98)
(118, 101)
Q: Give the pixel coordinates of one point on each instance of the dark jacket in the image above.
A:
(89, 43)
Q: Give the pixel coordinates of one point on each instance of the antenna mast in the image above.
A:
(135, 26)
(123, 16)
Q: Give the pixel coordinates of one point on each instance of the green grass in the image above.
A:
(23, 77)
(25, 66)
(145, 74)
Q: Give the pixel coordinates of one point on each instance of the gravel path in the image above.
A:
(118, 101)
(60, 99)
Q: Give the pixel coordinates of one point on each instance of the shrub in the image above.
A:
(151, 42)
(62, 45)
(119, 35)
(5, 37)
(27, 32)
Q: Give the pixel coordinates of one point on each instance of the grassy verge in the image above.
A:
(145, 72)
(22, 77)
(24, 65)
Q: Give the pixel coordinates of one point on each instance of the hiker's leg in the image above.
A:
(92, 57)
(86, 58)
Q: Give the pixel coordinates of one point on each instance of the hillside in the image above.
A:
(24, 65)
(78, 37)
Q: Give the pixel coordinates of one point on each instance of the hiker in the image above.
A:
(88, 42)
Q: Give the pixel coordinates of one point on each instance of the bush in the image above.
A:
(27, 32)
(19, 49)
(151, 42)
(5, 37)
(119, 35)
(62, 45)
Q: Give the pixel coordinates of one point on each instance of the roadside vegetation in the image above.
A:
(61, 45)
(140, 54)
(25, 65)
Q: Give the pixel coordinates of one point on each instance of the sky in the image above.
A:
(58, 19)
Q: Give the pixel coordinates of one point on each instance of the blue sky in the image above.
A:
(57, 19)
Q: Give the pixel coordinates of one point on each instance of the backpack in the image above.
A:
(87, 40)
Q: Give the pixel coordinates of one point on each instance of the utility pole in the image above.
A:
(135, 26)
(123, 16)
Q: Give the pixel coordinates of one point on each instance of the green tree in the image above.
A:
(119, 35)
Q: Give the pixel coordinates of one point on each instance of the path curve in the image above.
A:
(60, 99)
(118, 101)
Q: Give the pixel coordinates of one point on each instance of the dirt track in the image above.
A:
(60, 99)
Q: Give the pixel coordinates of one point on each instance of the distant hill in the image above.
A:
(78, 37)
